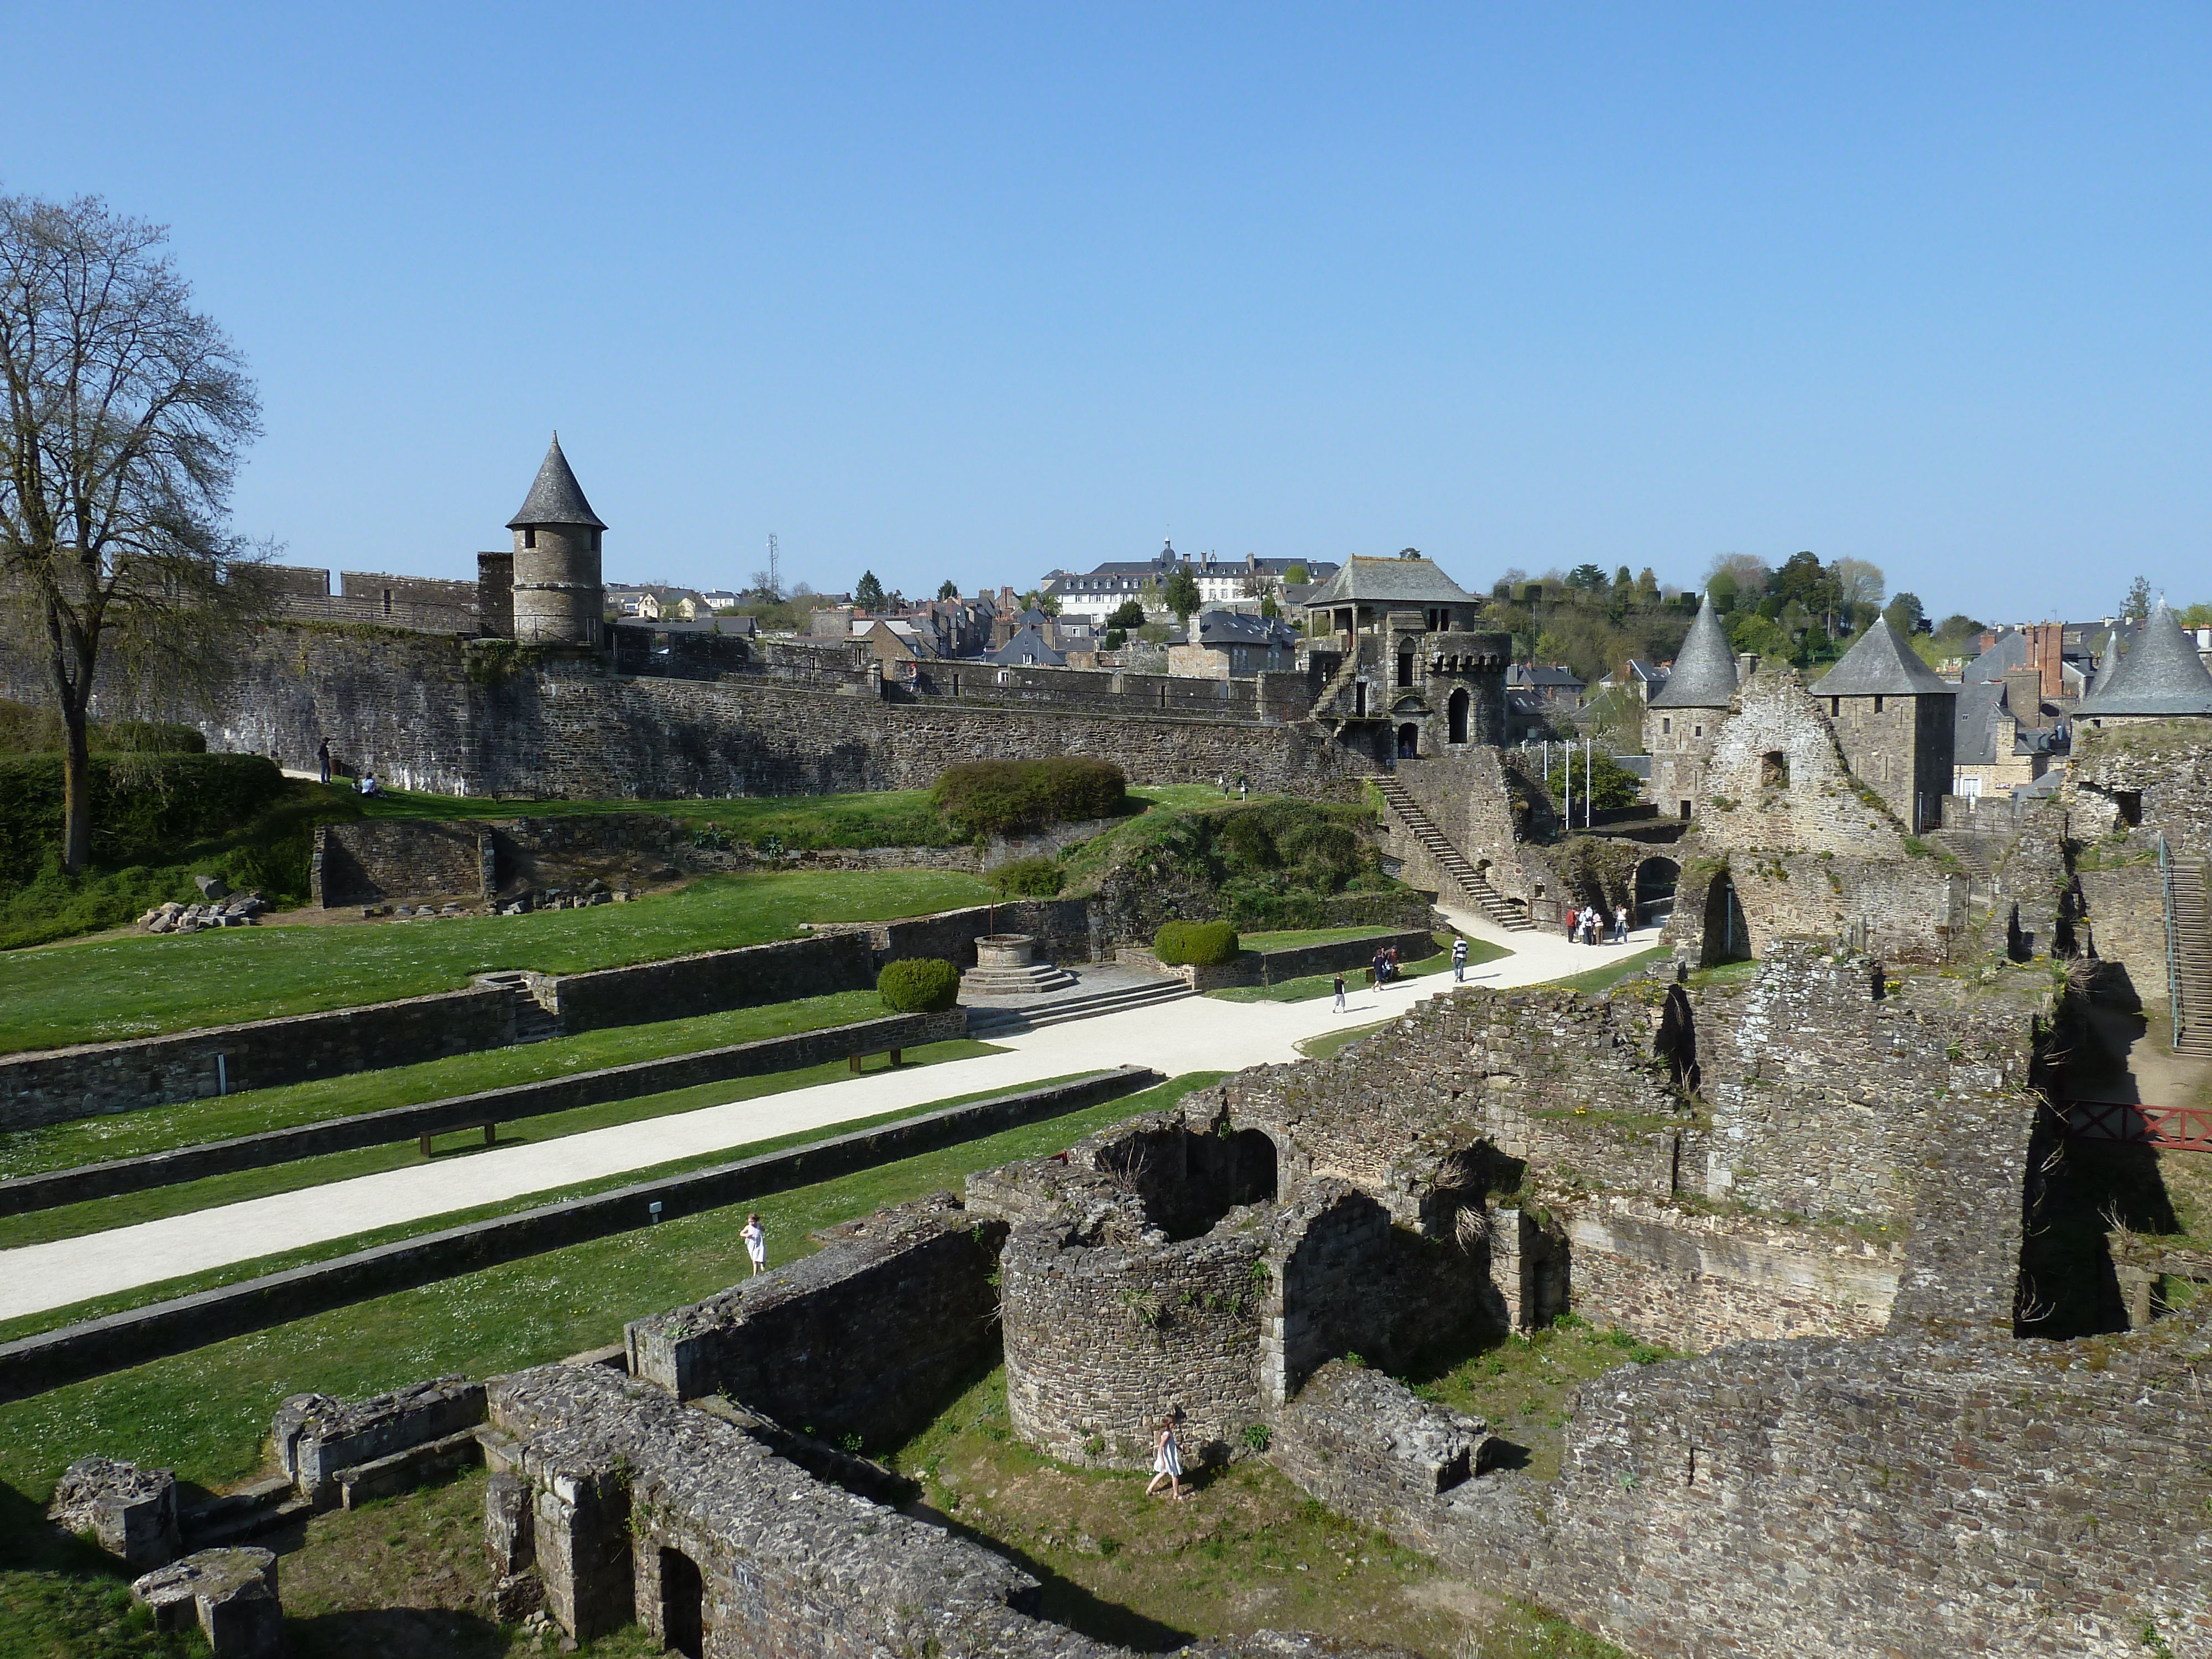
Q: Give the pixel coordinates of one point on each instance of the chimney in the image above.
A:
(1747, 664)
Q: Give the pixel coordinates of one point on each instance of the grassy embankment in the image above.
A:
(106, 990)
(206, 1412)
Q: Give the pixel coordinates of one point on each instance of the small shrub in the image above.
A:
(918, 985)
(1036, 878)
(1003, 797)
(1257, 1437)
(1204, 944)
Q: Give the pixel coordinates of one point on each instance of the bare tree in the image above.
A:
(126, 411)
(1858, 581)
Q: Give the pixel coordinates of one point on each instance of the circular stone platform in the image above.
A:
(1006, 966)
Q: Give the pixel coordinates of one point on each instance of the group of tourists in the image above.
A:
(1587, 923)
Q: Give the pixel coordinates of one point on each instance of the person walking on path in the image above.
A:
(1339, 991)
(1573, 917)
(322, 759)
(1589, 924)
(1621, 924)
(1166, 1461)
(756, 1242)
(1459, 961)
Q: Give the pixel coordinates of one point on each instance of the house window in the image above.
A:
(387, 601)
(1696, 731)
(1774, 769)
(530, 537)
(1835, 706)
(1877, 705)
(1666, 725)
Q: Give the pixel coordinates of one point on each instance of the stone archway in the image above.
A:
(1726, 937)
(1456, 711)
(1409, 741)
(1654, 890)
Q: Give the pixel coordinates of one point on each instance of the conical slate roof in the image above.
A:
(555, 497)
(1882, 665)
(1704, 668)
(2108, 662)
(2162, 675)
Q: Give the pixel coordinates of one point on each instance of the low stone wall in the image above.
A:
(378, 859)
(520, 1101)
(316, 1437)
(863, 1337)
(57, 1084)
(1371, 1448)
(713, 981)
(33, 1364)
(1295, 962)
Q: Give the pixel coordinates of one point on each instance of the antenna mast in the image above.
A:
(775, 566)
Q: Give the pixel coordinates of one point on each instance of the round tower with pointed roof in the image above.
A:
(1683, 718)
(2161, 677)
(559, 596)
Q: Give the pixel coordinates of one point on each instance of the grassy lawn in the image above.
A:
(106, 990)
(1612, 970)
(1519, 1384)
(205, 1414)
(158, 1129)
(1326, 1046)
(1248, 1551)
(100, 1214)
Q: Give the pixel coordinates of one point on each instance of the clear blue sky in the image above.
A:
(976, 293)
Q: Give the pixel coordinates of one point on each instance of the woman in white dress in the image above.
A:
(1166, 1461)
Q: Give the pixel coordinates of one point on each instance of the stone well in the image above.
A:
(1006, 966)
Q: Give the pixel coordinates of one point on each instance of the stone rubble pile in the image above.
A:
(228, 910)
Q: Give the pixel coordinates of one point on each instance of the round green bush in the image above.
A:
(1202, 944)
(918, 985)
(1036, 878)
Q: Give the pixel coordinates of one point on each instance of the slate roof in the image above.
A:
(2162, 675)
(1415, 581)
(2008, 653)
(2108, 658)
(1976, 721)
(1233, 628)
(1703, 675)
(555, 497)
(1028, 646)
(1882, 665)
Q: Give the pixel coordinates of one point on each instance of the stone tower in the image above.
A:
(559, 598)
(1896, 721)
(1684, 717)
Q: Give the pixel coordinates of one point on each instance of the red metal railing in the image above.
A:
(2184, 1128)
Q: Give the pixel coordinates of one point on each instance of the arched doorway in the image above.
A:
(1728, 938)
(1655, 891)
(1456, 710)
(1404, 666)
(683, 1604)
(1409, 741)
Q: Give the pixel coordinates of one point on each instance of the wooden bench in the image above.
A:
(490, 1134)
(853, 1061)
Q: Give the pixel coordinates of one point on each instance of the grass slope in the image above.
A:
(106, 990)
(205, 1414)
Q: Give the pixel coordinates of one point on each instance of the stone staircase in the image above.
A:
(1972, 852)
(1324, 706)
(533, 1021)
(1450, 860)
(988, 1023)
(1030, 978)
(2192, 945)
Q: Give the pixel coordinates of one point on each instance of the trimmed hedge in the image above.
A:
(1005, 798)
(918, 985)
(1199, 944)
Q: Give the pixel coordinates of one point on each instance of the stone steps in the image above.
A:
(2192, 964)
(988, 1023)
(1454, 863)
(1037, 979)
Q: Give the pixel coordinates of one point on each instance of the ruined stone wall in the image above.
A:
(377, 859)
(1902, 750)
(1777, 780)
(1695, 1281)
(1104, 1337)
(1904, 909)
(863, 1337)
(2165, 767)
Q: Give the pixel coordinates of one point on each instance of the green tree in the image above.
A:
(1721, 590)
(125, 414)
(948, 590)
(2137, 602)
(1906, 614)
(1128, 615)
(1268, 605)
(1647, 587)
(1181, 596)
(868, 592)
(1583, 578)
(1296, 576)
